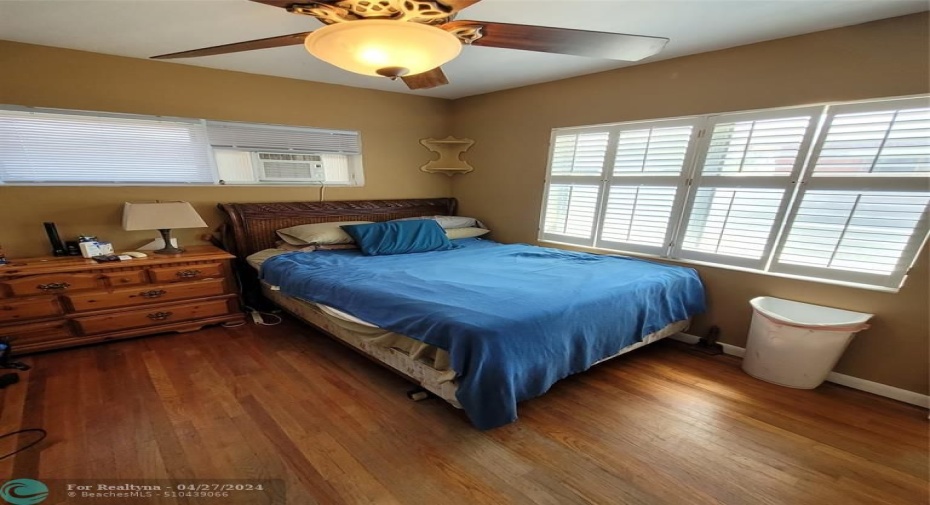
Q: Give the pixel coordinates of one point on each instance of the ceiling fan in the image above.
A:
(411, 39)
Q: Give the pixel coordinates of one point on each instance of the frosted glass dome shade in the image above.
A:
(383, 47)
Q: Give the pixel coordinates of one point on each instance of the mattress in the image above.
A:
(364, 332)
(425, 364)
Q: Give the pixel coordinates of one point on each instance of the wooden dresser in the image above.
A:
(50, 303)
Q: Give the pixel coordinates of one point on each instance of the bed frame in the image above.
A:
(250, 228)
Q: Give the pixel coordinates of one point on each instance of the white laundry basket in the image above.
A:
(796, 344)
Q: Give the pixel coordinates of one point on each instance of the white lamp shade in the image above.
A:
(160, 216)
(365, 46)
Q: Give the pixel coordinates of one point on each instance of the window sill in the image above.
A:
(596, 250)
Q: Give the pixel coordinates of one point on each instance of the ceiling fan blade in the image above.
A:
(280, 3)
(426, 80)
(293, 39)
(457, 5)
(611, 46)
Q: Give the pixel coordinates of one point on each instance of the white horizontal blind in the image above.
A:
(861, 214)
(882, 142)
(638, 215)
(579, 153)
(756, 147)
(741, 185)
(645, 185)
(573, 191)
(854, 231)
(571, 209)
(75, 147)
(654, 150)
(262, 137)
(732, 222)
(753, 189)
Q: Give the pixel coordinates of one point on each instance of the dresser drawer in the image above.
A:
(130, 278)
(23, 309)
(37, 333)
(51, 283)
(187, 273)
(154, 316)
(147, 294)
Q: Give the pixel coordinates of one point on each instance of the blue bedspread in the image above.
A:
(514, 318)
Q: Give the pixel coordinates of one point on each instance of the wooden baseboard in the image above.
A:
(877, 388)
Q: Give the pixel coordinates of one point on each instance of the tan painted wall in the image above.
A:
(390, 123)
(885, 58)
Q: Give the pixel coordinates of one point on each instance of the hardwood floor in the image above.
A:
(659, 425)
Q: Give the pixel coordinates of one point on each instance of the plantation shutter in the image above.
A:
(71, 146)
(862, 212)
(578, 160)
(645, 185)
(742, 183)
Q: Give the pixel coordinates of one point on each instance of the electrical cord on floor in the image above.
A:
(259, 320)
(253, 312)
(42, 434)
(256, 318)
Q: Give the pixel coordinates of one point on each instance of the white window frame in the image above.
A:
(736, 181)
(680, 183)
(352, 151)
(580, 180)
(794, 186)
(865, 183)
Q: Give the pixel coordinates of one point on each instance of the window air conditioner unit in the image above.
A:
(286, 167)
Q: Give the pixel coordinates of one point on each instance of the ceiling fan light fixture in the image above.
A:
(383, 47)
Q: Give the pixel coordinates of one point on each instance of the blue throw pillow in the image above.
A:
(399, 237)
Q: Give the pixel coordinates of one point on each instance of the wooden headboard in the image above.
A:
(250, 227)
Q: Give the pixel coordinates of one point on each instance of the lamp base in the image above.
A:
(169, 248)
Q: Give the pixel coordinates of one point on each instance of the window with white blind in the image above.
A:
(39, 146)
(577, 164)
(837, 192)
(626, 179)
(741, 184)
(48, 146)
(861, 213)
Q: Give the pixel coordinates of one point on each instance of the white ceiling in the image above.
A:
(143, 28)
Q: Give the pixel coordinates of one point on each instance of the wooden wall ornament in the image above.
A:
(450, 151)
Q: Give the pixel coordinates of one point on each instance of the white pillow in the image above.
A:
(469, 232)
(318, 233)
(450, 222)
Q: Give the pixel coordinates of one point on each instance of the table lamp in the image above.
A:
(161, 216)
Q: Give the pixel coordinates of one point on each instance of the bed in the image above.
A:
(482, 326)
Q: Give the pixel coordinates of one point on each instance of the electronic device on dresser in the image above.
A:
(58, 247)
(51, 303)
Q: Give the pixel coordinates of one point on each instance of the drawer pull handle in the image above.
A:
(155, 293)
(184, 274)
(159, 316)
(53, 285)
